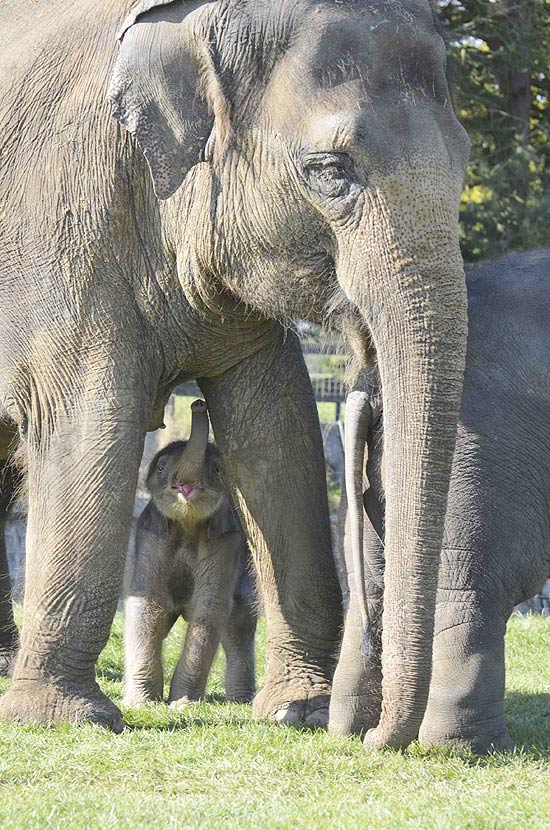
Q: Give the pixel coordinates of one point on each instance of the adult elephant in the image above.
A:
(305, 162)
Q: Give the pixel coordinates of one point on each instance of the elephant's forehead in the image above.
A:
(335, 42)
(343, 58)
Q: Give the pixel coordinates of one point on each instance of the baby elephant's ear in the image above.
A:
(153, 521)
(223, 520)
(160, 86)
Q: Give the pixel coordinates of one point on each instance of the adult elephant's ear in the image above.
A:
(163, 86)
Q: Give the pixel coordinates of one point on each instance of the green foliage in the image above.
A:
(213, 766)
(500, 60)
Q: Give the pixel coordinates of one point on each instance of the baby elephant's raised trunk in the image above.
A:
(191, 465)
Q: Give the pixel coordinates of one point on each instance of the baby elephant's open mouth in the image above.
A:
(188, 491)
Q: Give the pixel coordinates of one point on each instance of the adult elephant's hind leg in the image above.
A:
(238, 644)
(266, 425)
(82, 477)
(9, 637)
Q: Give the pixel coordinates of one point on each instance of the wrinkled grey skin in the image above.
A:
(496, 550)
(9, 638)
(271, 160)
(190, 559)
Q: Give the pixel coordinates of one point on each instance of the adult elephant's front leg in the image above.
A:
(266, 425)
(83, 466)
(466, 702)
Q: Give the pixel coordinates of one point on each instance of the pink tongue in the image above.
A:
(186, 489)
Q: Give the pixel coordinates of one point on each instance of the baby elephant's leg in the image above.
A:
(238, 643)
(148, 611)
(210, 606)
(146, 624)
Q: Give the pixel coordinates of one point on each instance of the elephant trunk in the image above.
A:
(421, 357)
(413, 299)
(191, 464)
(358, 416)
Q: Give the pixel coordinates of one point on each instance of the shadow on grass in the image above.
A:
(133, 724)
(159, 717)
(182, 724)
(528, 720)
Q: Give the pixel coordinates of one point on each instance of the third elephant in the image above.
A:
(496, 550)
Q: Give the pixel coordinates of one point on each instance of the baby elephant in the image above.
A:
(190, 558)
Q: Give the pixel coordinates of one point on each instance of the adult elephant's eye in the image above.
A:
(329, 174)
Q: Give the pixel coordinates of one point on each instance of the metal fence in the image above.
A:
(325, 389)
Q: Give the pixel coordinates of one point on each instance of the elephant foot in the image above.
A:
(293, 705)
(48, 702)
(481, 742)
(182, 703)
(353, 716)
(387, 738)
(136, 699)
(240, 697)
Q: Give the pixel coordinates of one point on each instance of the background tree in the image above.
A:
(500, 60)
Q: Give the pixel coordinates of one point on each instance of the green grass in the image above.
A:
(214, 767)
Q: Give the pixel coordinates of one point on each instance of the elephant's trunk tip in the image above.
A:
(190, 466)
